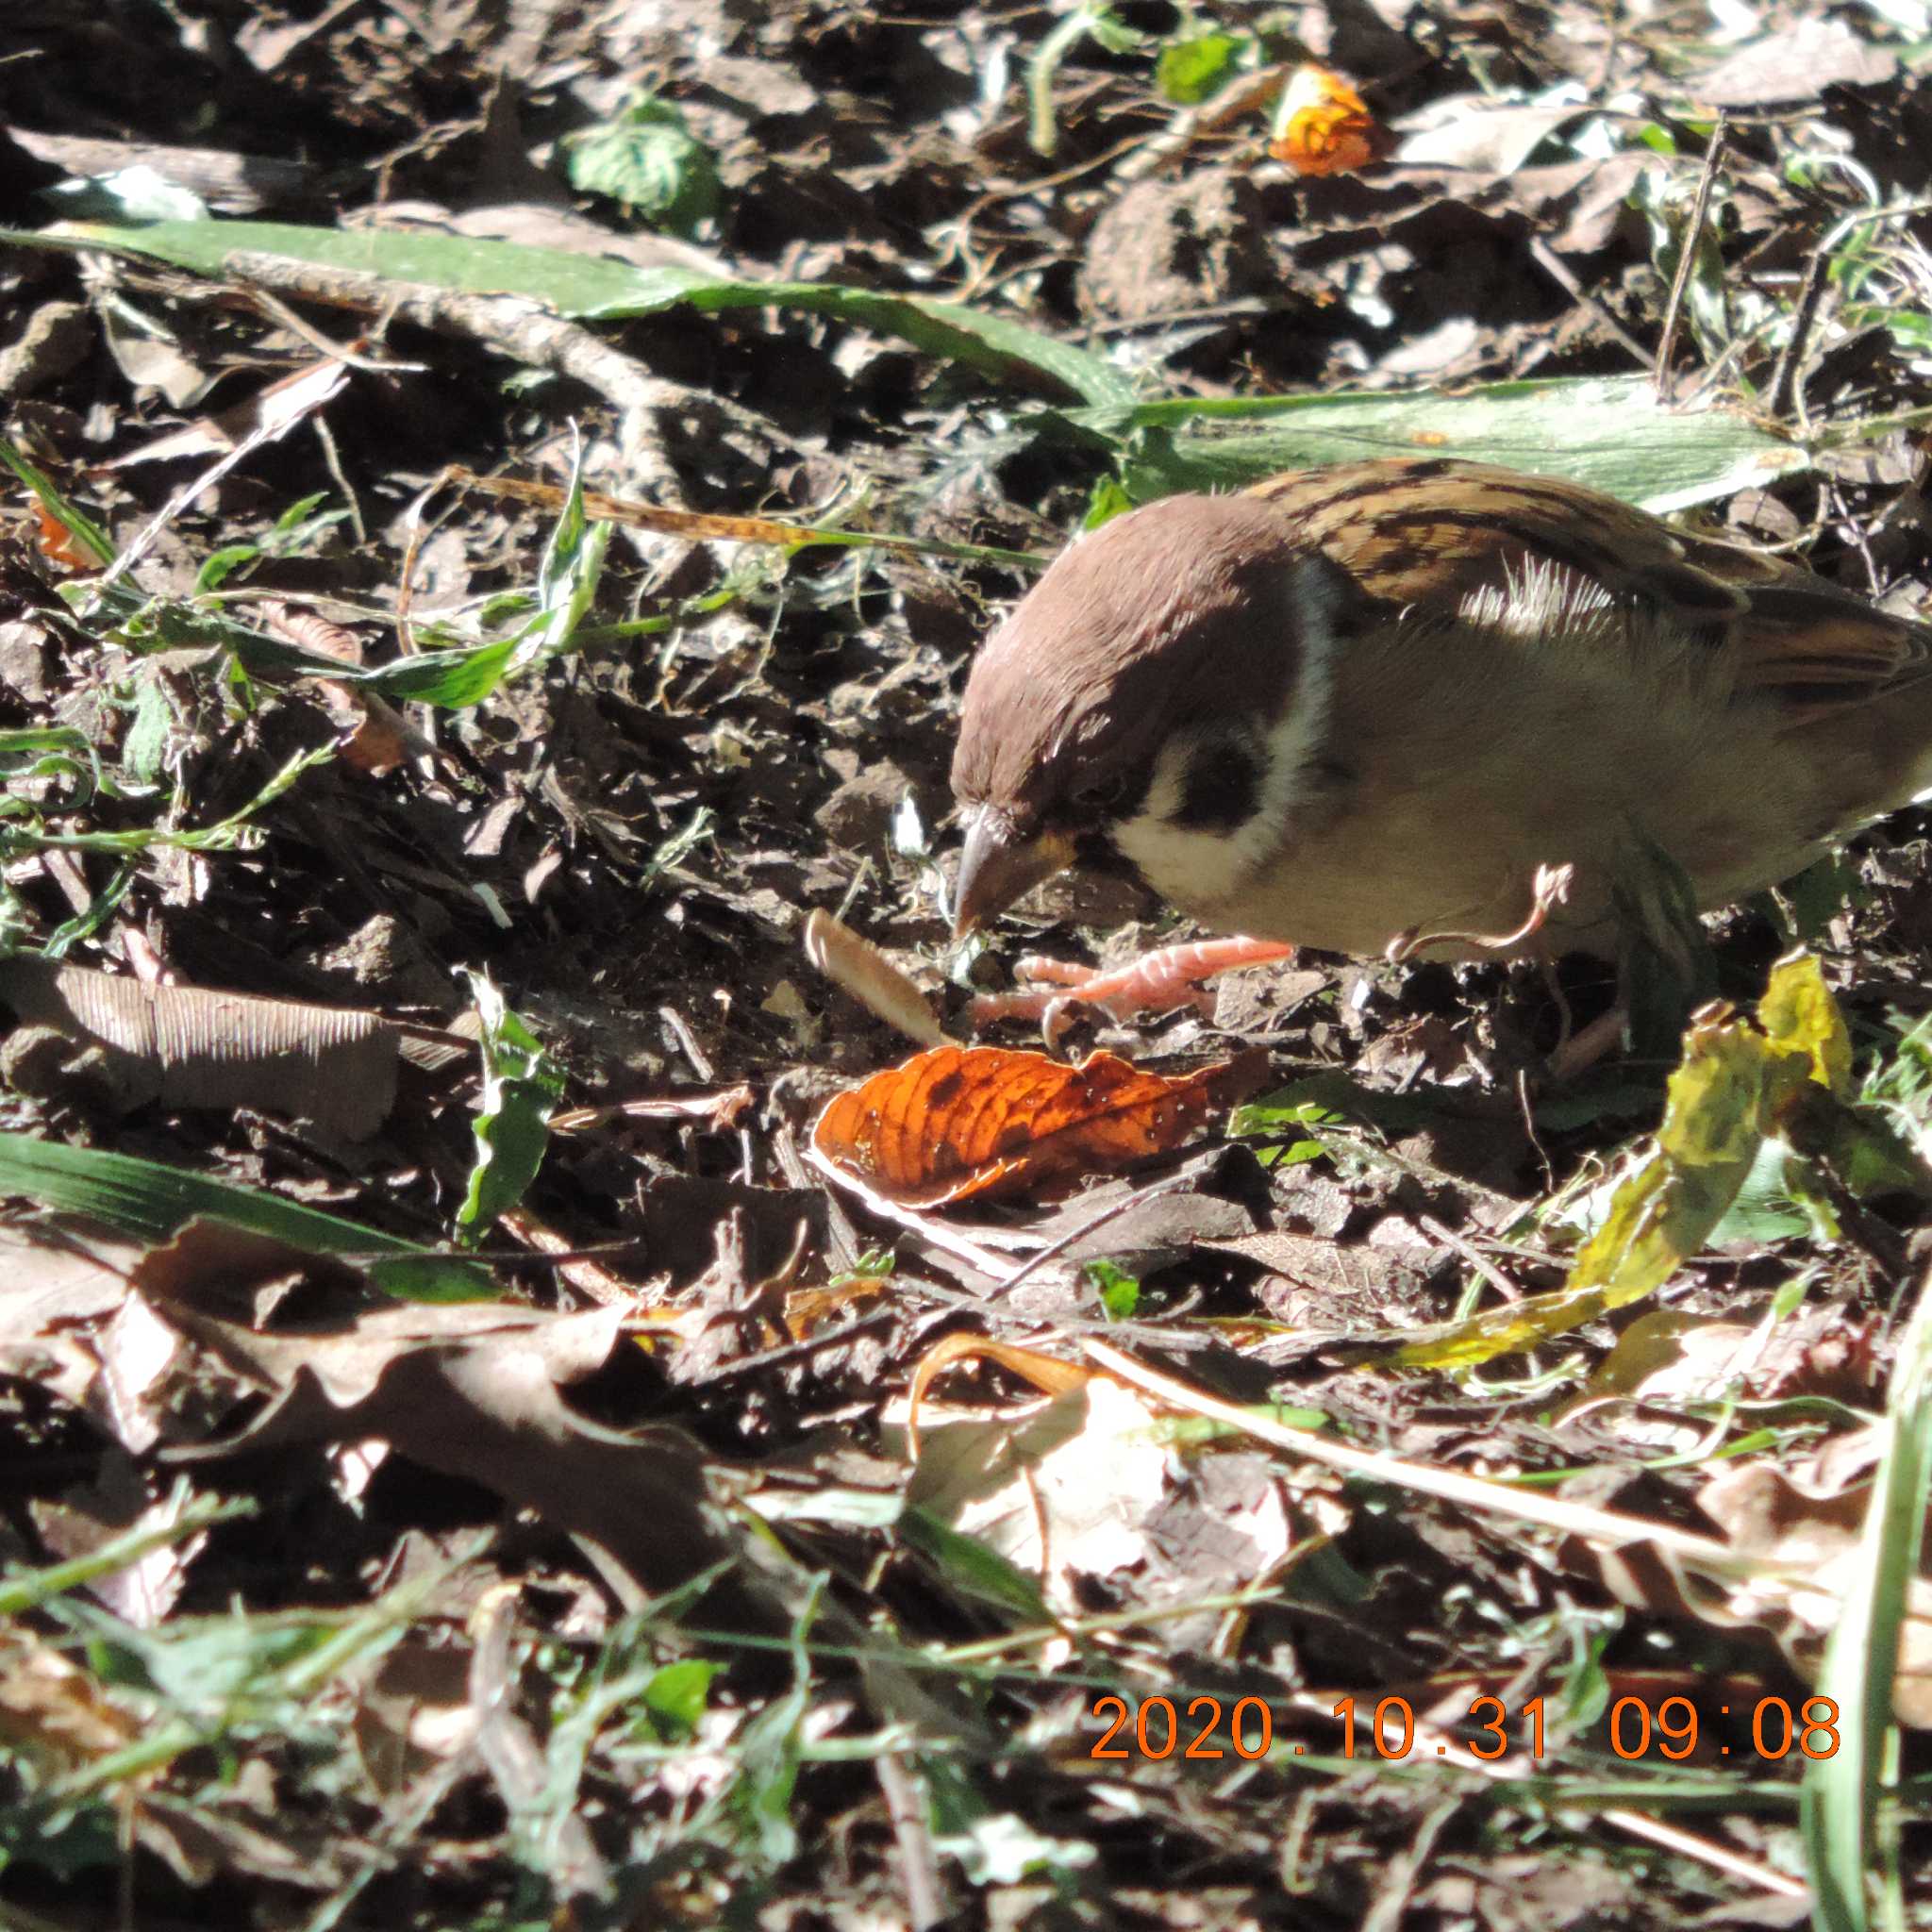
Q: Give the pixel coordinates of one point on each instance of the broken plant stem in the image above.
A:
(699, 527)
(1686, 255)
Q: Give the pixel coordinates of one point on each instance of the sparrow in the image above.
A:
(1429, 707)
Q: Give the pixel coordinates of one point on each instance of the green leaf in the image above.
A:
(1843, 1790)
(145, 750)
(1737, 1086)
(1771, 1202)
(568, 575)
(220, 565)
(1272, 1119)
(1799, 1016)
(591, 288)
(1107, 502)
(648, 159)
(1608, 432)
(973, 1568)
(1189, 71)
(521, 1085)
(770, 1748)
(1119, 1292)
(678, 1695)
(451, 679)
(86, 534)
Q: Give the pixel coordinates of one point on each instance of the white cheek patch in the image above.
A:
(1198, 866)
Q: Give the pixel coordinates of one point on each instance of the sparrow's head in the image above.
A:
(1146, 703)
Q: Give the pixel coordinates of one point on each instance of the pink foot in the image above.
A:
(1155, 983)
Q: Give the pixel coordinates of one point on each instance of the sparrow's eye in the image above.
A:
(1101, 795)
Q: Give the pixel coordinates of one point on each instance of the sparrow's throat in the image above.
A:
(1001, 864)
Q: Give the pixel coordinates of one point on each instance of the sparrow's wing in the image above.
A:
(1428, 533)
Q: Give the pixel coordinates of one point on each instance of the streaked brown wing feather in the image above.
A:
(1432, 530)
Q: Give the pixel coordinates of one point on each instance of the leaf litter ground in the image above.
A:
(351, 1583)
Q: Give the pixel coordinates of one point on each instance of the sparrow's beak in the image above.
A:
(1000, 864)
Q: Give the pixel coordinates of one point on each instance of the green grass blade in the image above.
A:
(1842, 1791)
(152, 1202)
(593, 287)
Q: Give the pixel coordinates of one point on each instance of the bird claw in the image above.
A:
(1548, 889)
(1157, 982)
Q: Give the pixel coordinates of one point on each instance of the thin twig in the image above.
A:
(1053, 1250)
(787, 1353)
(1784, 381)
(907, 1806)
(1791, 364)
(1687, 254)
(1557, 269)
(1483, 1266)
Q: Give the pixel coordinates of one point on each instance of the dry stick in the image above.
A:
(918, 1864)
(786, 1353)
(1073, 1236)
(710, 526)
(1557, 269)
(528, 332)
(926, 1226)
(517, 1764)
(283, 316)
(1701, 1554)
(525, 330)
(1700, 206)
(519, 326)
(1482, 1263)
(1784, 383)
(269, 428)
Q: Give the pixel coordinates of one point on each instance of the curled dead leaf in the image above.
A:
(957, 1122)
(856, 964)
(1047, 1372)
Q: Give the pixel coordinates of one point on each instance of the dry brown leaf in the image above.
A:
(269, 413)
(414, 1715)
(1764, 1514)
(957, 1122)
(377, 737)
(113, 1506)
(855, 963)
(187, 1046)
(53, 1712)
(719, 1108)
(471, 1388)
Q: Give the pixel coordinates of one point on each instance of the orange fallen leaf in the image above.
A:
(957, 1122)
(55, 542)
(1321, 125)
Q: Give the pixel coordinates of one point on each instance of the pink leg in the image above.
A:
(1155, 983)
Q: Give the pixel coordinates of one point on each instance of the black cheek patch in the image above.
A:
(1221, 788)
(1096, 852)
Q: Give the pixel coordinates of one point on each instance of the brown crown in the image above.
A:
(1181, 609)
